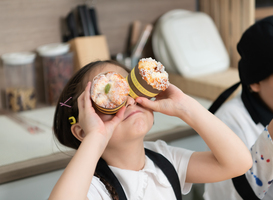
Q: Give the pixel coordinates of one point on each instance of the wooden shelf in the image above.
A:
(34, 166)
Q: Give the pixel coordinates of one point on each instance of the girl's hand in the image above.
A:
(90, 122)
(168, 102)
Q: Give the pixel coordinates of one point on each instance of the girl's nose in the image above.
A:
(130, 102)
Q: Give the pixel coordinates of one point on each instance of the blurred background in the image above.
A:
(42, 43)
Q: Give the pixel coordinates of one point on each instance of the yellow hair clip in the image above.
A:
(72, 120)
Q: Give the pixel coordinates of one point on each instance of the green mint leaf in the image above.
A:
(107, 88)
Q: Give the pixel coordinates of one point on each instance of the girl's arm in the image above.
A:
(229, 157)
(76, 178)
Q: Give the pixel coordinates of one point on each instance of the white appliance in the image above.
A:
(188, 43)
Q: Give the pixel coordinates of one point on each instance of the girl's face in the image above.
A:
(266, 91)
(137, 120)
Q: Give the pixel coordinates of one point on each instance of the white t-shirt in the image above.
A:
(150, 182)
(234, 114)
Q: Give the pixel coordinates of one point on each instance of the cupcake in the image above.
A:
(147, 79)
(109, 92)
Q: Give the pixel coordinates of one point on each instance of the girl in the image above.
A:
(248, 115)
(118, 141)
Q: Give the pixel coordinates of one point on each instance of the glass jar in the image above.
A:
(58, 67)
(19, 71)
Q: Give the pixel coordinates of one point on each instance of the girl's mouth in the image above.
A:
(132, 113)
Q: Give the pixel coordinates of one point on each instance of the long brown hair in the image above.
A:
(72, 90)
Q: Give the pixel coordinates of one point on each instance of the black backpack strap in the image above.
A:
(168, 169)
(222, 98)
(240, 183)
(104, 171)
(243, 188)
(163, 163)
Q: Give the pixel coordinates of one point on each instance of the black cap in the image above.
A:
(256, 50)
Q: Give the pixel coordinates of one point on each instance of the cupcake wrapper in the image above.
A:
(138, 86)
(109, 111)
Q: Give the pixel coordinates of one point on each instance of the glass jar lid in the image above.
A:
(54, 49)
(18, 58)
